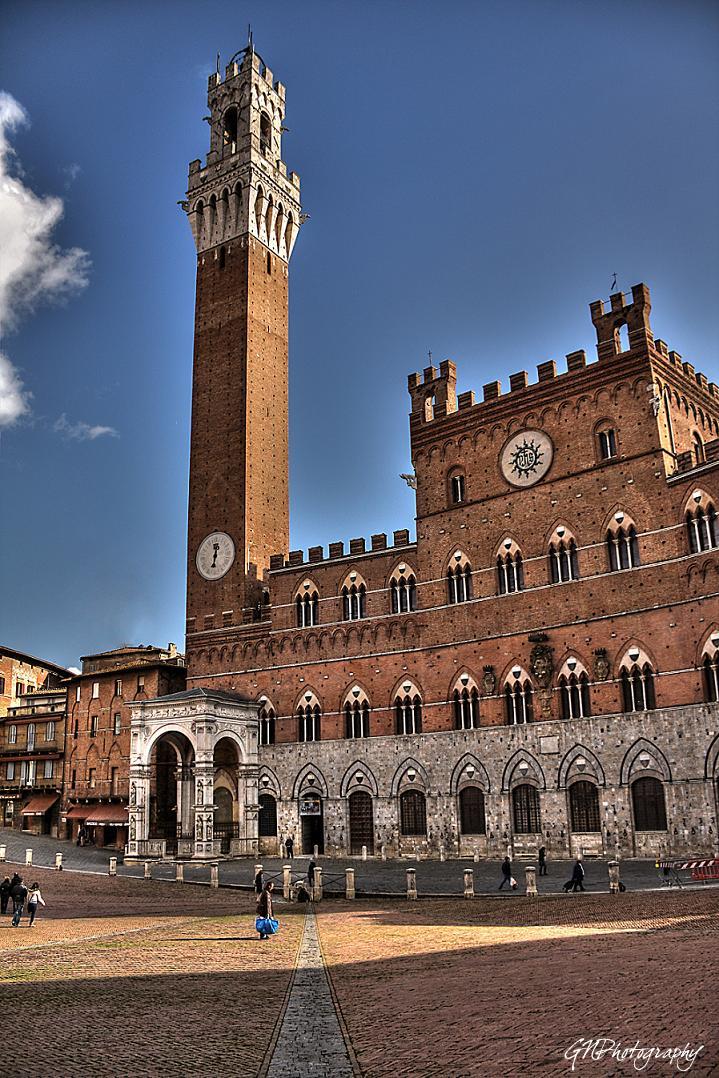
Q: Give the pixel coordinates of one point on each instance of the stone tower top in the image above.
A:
(244, 186)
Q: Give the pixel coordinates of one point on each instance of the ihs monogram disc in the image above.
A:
(526, 457)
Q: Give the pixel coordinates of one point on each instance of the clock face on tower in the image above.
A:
(215, 555)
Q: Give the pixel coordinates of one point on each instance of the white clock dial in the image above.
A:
(215, 555)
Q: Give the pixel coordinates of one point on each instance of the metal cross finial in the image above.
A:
(429, 357)
(613, 285)
(249, 36)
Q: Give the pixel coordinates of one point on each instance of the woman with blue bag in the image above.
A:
(265, 923)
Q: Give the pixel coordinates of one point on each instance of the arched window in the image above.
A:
(607, 443)
(308, 608)
(563, 565)
(259, 207)
(354, 594)
(459, 579)
(229, 132)
(668, 412)
(268, 221)
(267, 723)
(711, 677)
(279, 225)
(518, 698)
(698, 447)
(403, 590)
(472, 817)
(412, 813)
(701, 519)
(288, 233)
(267, 818)
(622, 544)
(408, 710)
(525, 810)
(466, 704)
(510, 571)
(584, 807)
(265, 133)
(637, 682)
(308, 714)
(356, 709)
(574, 691)
(650, 813)
(456, 487)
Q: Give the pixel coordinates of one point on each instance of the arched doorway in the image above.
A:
(226, 760)
(361, 822)
(312, 818)
(171, 795)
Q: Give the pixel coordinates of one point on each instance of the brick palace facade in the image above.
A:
(539, 666)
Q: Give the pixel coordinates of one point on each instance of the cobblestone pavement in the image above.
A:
(483, 988)
(131, 977)
(372, 876)
(311, 1042)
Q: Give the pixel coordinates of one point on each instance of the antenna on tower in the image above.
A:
(250, 44)
(217, 64)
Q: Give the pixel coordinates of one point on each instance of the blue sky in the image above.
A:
(475, 174)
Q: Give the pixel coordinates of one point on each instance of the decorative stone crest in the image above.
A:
(541, 665)
(526, 457)
(489, 681)
(602, 668)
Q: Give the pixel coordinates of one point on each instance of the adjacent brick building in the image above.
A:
(32, 738)
(21, 673)
(538, 666)
(97, 747)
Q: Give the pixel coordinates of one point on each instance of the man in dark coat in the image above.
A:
(506, 873)
(290, 846)
(578, 876)
(542, 860)
(311, 875)
(259, 883)
(4, 894)
(19, 897)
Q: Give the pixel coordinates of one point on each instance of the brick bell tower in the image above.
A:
(244, 212)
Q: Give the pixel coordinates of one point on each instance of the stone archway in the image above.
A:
(214, 736)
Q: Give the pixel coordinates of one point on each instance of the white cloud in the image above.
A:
(81, 431)
(32, 267)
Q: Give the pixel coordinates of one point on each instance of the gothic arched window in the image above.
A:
(265, 133)
(650, 813)
(466, 704)
(574, 692)
(403, 590)
(518, 699)
(698, 447)
(459, 579)
(510, 571)
(584, 807)
(308, 608)
(354, 595)
(308, 715)
(525, 810)
(456, 483)
(229, 131)
(412, 813)
(267, 724)
(356, 709)
(637, 678)
(701, 519)
(563, 565)
(622, 544)
(472, 816)
(408, 711)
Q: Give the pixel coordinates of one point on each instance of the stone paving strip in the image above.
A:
(311, 1042)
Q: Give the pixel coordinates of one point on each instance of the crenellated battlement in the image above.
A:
(337, 552)
(434, 394)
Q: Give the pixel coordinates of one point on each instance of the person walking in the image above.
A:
(265, 923)
(542, 860)
(506, 873)
(311, 875)
(4, 894)
(259, 882)
(34, 899)
(578, 876)
(290, 847)
(19, 895)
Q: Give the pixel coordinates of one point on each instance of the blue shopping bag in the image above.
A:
(267, 925)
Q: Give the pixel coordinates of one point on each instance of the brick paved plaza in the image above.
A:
(132, 977)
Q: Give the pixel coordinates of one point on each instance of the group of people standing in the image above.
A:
(576, 883)
(22, 896)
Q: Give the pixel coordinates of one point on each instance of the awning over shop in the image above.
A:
(38, 806)
(115, 815)
(78, 812)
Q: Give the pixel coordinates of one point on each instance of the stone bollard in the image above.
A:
(179, 872)
(441, 854)
(28, 857)
(315, 852)
(349, 883)
(530, 874)
(383, 852)
(476, 857)
(286, 881)
(58, 862)
(613, 877)
(469, 883)
(364, 853)
(148, 870)
(411, 883)
(214, 875)
(3, 853)
(317, 886)
(112, 867)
